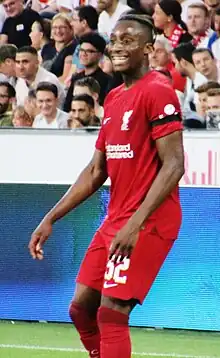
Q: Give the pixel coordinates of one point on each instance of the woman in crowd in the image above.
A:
(167, 19)
(57, 55)
(40, 34)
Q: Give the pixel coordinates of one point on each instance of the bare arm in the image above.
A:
(89, 181)
(170, 150)
(66, 68)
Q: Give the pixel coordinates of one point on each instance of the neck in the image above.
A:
(59, 46)
(131, 79)
(43, 42)
(168, 30)
(31, 78)
(112, 8)
(89, 70)
(213, 75)
(191, 72)
(52, 116)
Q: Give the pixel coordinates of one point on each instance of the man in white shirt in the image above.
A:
(50, 116)
(30, 74)
(206, 64)
(111, 10)
(198, 24)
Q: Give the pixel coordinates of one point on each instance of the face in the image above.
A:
(217, 24)
(46, 103)
(13, 7)
(88, 55)
(159, 57)
(104, 5)
(81, 112)
(60, 31)
(202, 97)
(26, 65)
(36, 35)
(179, 65)
(204, 63)
(213, 103)
(160, 18)
(4, 99)
(196, 21)
(128, 48)
(77, 25)
(8, 67)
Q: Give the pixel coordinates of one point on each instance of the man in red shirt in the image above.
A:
(140, 148)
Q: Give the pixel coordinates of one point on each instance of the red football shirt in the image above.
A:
(134, 119)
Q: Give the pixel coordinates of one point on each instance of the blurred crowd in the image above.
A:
(55, 70)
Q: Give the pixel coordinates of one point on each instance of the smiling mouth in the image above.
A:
(119, 59)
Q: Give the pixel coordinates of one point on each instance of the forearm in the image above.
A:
(89, 181)
(166, 180)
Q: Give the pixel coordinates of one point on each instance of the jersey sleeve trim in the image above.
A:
(165, 120)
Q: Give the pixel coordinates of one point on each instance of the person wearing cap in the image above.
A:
(167, 18)
(92, 47)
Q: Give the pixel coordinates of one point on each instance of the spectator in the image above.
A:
(92, 47)
(213, 112)
(145, 6)
(167, 18)
(47, 100)
(17, 26)
(84, 22)
(29, 74)
(88, 85)
(30, 104)
(184, 64)
(213, 6)
(58, 53)
(202, 91)
(214, 41)
(184, 5)
(7, 98)
(160, 59)
(205, 63)
(7, 62)
(3, 16)
(111, 10)
(21, 118)
(82, 112)
(198, 24)
(40, 34)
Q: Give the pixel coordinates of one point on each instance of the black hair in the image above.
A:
(10, 88)
(203, 49)
(45, 27)
(85, 98)
(89, 14)
(47, 87)
(32, 93)
(89, 82)
(185, 51)
(28, 49)
(7, 51)
(144, 20)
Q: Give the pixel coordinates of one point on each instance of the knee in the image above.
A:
(74, 311)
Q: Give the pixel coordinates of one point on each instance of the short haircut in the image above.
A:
(143, 20)
(10, 89)
(184, 51)
(203, 49)
(47, 87)
(89, 82)
(7, 51)
(207, 86)
(201, 7)
(28, 49)
(89, 14)
(164, 42)
(84, 98)
(213, 92)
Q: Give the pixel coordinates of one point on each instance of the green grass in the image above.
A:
(161, 342)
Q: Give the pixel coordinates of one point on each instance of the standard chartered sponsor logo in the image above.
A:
(119, 151)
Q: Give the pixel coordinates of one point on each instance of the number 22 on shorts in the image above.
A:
(114, 271)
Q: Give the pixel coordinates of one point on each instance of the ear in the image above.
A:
(169, 18)
(96, 96)
(148, 48)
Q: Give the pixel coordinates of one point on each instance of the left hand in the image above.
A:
(124, 242)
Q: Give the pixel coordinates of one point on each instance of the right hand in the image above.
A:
(38, 238)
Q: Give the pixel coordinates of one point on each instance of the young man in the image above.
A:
(47, 102)
(140, 148)
(88, 85)
(82, 112)
(206, 64)
(213, 109)
(201, 106)
(7, 97)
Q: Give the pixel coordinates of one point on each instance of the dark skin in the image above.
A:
(128, 48)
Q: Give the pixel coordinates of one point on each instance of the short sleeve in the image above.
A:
(163, 110)
(100, 143)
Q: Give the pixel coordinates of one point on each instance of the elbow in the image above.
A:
(179, 169)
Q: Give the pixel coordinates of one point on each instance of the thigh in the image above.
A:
(92, 269)
(132, 278)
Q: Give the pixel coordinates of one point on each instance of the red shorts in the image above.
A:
(131, 278)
